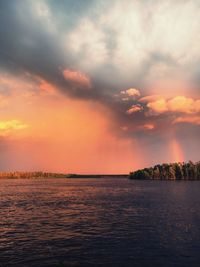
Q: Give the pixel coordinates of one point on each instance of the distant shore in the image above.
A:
(39, 174)
(166, 171)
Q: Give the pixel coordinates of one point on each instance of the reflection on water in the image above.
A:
(99, 222)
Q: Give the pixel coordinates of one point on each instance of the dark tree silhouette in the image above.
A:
(171, 171)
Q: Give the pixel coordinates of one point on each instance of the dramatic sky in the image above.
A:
(98, 86)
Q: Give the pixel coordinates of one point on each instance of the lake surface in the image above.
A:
(99, 222)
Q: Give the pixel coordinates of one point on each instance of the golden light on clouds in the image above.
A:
(158, 106)
(181, 104)
(12, 125)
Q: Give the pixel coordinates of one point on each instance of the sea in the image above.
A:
(99, 222)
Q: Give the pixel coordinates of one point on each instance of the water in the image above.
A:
(99, 222)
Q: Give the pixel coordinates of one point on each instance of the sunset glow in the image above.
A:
(102, 91)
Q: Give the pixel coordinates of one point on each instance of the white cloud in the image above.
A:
(131, 93)
(88, 41)
(158, 39)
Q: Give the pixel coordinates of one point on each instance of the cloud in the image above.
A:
(160, 114)
(177, 104)
(77, 78)
(149, 126)
(88, 40)
(187, 119)
(157, 107)
(25, 82)
(132, 92)
(150, 98)
(12, 125)
(46, 86)
(134, 108)
(183, 104)
(106, 40)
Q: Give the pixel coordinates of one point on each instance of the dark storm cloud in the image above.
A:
(26, 44)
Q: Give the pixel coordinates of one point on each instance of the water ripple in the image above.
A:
(99, 222)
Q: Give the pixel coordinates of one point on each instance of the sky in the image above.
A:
(98, 86)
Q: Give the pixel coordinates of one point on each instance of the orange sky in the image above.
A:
(46, 130)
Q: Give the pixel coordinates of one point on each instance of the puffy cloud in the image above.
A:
(77, 78)
(88, 39)
(158, 106)
(131, 92)
(134, 108)
(182, 104)
(156, 112)
(177, 104)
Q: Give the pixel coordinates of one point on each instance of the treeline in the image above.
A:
(171, 171)
(37, 174)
